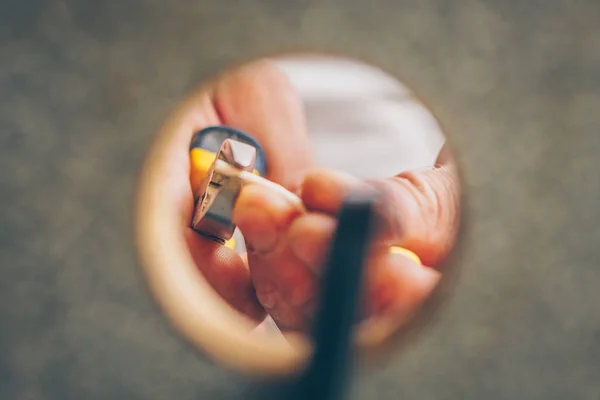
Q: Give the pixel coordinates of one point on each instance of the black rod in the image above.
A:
(326, 377)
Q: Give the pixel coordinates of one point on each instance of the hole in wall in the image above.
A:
(324, 126)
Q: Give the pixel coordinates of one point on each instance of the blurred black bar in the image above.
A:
(326, 377)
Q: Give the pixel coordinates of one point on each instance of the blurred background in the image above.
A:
(85, 84)
(357, 112)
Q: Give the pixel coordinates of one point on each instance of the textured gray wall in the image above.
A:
(85, 84)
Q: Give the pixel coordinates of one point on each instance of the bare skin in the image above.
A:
(280, 274)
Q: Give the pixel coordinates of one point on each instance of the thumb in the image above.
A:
(419, 209)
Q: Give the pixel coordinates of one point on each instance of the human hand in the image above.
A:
(287, 248)
(255, 98)
(258, 99)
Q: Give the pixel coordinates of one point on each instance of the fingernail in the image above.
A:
(407, 253)
(342, 182)
(325, 190)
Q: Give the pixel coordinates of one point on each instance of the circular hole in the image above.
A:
(327, 126)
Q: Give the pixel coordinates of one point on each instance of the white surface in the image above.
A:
(361, 120)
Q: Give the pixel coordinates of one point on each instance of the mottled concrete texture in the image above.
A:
(85, 84)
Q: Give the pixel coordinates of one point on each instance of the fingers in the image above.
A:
(309, 238)
(325, 190)
(394, 282)
(227, 272)
(287, 251)
(172, 172)
(259, 99)
(419, 210)
(397, 285)
(284, 285)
